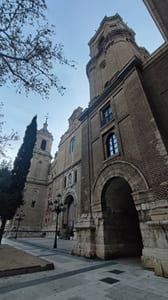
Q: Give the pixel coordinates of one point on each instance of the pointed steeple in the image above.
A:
(44, 130)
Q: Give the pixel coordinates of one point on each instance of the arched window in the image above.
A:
(43, 144)
(112, 145)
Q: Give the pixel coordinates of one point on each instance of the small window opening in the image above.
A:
(33, 203)
(64, 181)
(70, 179)
(75, 175)
(43, 145)
(73, 144)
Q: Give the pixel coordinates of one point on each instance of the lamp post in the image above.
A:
(19, 217)
(56, 207)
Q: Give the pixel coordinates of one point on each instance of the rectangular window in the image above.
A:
(106, 115)
(111, 144)
(73, 144)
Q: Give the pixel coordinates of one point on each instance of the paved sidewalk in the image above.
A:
(15, 262)
(77, 278)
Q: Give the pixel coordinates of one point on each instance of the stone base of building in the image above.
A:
(156, 256)
(90, 243)
(156, 259)
(85, 232)
(24, 232)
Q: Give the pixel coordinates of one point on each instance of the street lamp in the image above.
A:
(19, 217)
(56, 207)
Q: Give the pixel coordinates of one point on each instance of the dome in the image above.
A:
(44, 131)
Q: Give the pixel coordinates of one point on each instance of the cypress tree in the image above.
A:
(23, 158)
(12, 183)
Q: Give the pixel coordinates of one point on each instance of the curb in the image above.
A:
(26, 270)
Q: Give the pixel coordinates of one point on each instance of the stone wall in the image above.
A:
(158, 10)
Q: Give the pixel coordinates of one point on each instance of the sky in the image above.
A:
(76, 21)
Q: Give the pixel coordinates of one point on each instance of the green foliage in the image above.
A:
(8, 197)
(6, 164)
(12, 182)
(27, 52)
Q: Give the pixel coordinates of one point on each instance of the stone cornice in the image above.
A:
(134, 63)
(33, 180)
(68, 134)
(156, 55)
(65, 170)
(109, 41)
(42, 153)
(115, 17)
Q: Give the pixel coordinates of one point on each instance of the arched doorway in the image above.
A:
(69, 217)
(122, 235)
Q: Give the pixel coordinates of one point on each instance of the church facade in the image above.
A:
(111, 168)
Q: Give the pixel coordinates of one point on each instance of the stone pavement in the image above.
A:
(14, 261)
(77, 278)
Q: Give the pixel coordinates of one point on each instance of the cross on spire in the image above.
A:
(45, 125)
(46, 118)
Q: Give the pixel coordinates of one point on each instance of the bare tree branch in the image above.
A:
(5, 139)
(29, 60)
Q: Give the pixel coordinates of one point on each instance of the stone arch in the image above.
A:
(121, 227)
(70, 192)
(69, 214)
(122, 169)
(139, 191)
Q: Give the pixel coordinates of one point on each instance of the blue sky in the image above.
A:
(76, 22)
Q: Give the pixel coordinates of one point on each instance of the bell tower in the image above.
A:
(41, 156)
(36, 184)
(111, 48)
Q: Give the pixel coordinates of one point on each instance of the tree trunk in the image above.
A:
(3, 223)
